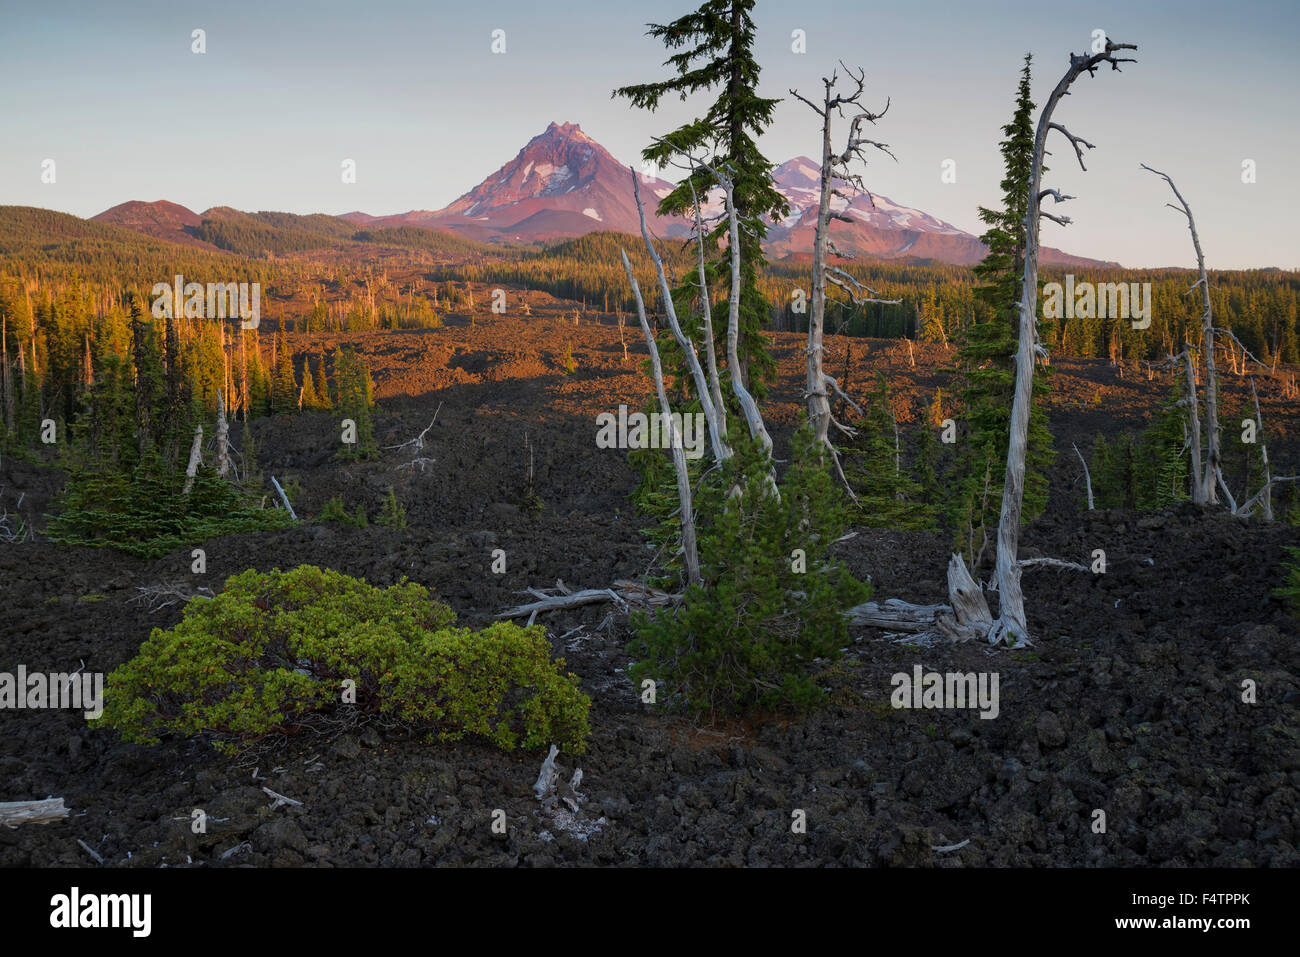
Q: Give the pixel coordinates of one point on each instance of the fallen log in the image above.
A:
(13, 813)
(965, 617)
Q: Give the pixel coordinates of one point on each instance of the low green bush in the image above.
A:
(274, 650)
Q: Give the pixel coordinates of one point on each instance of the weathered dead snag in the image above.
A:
(1011, 626)
(835, 166)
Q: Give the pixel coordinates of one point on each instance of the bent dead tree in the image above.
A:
(835, 166)
(1204, 482)
(966, 618)
(1208, 480)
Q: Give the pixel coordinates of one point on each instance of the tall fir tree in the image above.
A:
(716, 44)
(986, 357)
(322, 388)
(284, 388)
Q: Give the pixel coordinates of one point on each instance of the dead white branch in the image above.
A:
(280, 799)
(1087, 476)
(622, 594)
(964, 618)
(1053, 563)
(702, 387)
(158, 597)
(284, 498)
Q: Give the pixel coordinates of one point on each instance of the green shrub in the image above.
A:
(273, 650)
(393, 513)
(148, 515)
(749, 637)
(335, 511)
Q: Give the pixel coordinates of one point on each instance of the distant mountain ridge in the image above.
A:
(564, 184)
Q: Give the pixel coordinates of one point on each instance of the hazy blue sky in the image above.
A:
(413, 93)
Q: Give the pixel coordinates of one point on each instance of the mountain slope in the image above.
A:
(561, 184)
(160, 219)
(879, 227)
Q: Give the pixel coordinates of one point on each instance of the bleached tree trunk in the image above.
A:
(706, 305)
(690, 551)
(753, 418)
(819, 402)
(223, 438)
(196, 457)
(716, 435)
(1213, 473)
(1087, 476)
(1011, 625)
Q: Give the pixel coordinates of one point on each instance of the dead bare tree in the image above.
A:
(835, 166)
(1204, 483)
(1011, 625)
(972, 620)
(690, 553)
(1208, 481)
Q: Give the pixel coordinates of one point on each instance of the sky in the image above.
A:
(414, 94)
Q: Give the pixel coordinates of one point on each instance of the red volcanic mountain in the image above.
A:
(563, 183)
(160, 219)
(879, 227)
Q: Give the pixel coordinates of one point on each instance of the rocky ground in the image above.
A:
(1130, 702)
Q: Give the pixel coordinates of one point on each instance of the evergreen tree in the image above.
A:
(148, 380)
(322, 388)
(310, 401)
(355, 391)
(719, 55)
(772, 598)
(284, 389)
(876, 470)
(987, 356)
